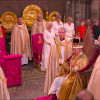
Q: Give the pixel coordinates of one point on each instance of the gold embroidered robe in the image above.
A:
(4, 93)
(36, 26)
(72, 85)
(53, 63)
(19, 44)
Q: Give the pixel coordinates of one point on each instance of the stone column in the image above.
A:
(77, 13)
(95, 9)
(87, 11)
(68, 3)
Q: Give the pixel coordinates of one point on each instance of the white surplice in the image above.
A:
(24, 59)
(56, 26)
(70, 31)
(48, 41)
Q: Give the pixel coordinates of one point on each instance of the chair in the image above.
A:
(37, 46)
(11, 65)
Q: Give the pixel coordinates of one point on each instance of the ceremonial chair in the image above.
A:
(85, 73)
(11, 65)
(37, 46)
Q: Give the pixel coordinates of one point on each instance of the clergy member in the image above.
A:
(4, 93)
(66, 86)
(2, 31)
(59, 53)
(20, 41)
(39, 25)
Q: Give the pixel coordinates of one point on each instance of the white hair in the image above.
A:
(62, 28)
(48, 23)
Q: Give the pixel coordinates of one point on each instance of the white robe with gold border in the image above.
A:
(48, 41)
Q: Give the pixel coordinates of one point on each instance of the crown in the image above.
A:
(77, 42)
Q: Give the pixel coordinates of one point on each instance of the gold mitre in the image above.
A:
(77, 43)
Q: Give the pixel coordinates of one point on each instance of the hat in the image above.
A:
(77, 43)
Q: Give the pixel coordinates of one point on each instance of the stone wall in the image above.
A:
(17, 6)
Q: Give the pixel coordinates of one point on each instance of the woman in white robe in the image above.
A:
(48, 41)
(57, 24)
(69, 26)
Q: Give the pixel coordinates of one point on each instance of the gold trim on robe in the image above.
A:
(20, 45)
(73, 84)
(55, 55)
(1, 33)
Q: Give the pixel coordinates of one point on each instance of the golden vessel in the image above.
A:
(30, 14)
(52, 16)
(8, 19)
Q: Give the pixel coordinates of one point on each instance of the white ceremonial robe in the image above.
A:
(24, 59)
(48, 38)
(70, 32)
(56, 27)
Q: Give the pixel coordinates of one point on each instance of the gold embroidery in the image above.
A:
(59, 44)
(1, 33)
(39, 24)
(40, 40)
(23, 41)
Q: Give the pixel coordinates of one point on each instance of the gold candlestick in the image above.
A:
(46, 17)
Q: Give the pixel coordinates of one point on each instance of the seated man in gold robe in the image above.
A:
(59, 52)
(39, 25)
(66, 86)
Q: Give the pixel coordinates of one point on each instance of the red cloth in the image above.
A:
(53, 97)
(81, 31)
(3, 31)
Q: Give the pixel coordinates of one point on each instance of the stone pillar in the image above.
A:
(87, 11)
(95, 9)
(68, 8)
(77, 13)
(83, 8)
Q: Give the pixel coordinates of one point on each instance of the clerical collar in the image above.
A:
(19, 24)
(62, 39)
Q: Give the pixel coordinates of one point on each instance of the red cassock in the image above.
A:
(81, 31)
(3, 32)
